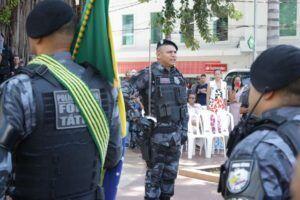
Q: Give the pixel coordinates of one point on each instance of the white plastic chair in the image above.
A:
(227, 123)
(210, 132)
(194, 133)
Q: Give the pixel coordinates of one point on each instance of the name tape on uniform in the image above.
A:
(67, 113)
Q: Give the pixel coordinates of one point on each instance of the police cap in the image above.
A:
(275, 68)
(166, 42)
(47, 17)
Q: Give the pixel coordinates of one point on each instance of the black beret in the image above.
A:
(166, 42)
(47, 17)
(275, 68)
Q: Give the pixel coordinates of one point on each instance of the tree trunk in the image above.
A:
(273, 23)
(15, 33)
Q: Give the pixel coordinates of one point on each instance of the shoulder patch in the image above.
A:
(239, 175)
(176, 80)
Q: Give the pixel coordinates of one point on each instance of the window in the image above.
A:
(156, 34)
(220, 29)
(127, 30)
(288, 18)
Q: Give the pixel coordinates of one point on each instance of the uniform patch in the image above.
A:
(176, 80)
(239, 175)
(164, 80)
(67, 113)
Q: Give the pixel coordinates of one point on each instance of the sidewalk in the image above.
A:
(132, 180)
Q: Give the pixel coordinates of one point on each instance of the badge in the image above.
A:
(165, 80)
(239, 175)
(67, 113)
(176, 80)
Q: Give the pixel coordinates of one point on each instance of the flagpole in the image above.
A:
(150, 80)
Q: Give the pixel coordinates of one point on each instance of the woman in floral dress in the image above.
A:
(217, 100)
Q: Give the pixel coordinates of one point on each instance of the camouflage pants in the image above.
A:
(160, 177)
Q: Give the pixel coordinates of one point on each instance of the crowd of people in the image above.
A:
(264, 143)
(219, 95)
(50, 151)
(10, 63)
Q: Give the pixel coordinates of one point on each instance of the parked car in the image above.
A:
(243, 73)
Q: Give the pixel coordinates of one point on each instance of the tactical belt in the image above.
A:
(165, 129)
(90, 110)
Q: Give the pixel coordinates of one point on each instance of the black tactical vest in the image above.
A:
(289, 132)
(59, 160)
(168, 97)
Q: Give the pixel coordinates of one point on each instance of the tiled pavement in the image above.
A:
(132, 180)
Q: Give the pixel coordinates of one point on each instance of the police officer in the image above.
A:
(261, 165)
(167, 95)
(46, 150)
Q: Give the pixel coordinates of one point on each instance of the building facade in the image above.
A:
(136, 34)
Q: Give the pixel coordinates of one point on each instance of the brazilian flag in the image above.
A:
(93, 43)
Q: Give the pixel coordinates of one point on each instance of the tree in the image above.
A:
(198, 12)
(13, 14)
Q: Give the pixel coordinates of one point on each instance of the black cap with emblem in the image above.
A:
(275, 68)
(166, 42)
(47, 17)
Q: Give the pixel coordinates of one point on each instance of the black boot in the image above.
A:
(164, 198)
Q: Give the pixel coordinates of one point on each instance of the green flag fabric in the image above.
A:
(93, 43)
(90, 110)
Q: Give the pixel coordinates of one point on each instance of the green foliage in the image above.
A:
(199, 13)
(6, 11)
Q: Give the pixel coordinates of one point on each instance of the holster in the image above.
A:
(145, 147)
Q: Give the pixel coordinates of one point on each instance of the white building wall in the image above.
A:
(234, 52)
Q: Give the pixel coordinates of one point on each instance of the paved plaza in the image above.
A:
(132, 180)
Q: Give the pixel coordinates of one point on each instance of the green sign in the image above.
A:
(251, 42)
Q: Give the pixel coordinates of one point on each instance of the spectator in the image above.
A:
(133, 131)
(192, 106)
(217, 93)
(22, 63)
(217, 100)
(235, 93)
(16, 66)
(201, 90)
(129, 115)
(6, 64)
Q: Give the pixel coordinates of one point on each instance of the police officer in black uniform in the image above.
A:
(164, 86)
(46, 150)
(260, 164)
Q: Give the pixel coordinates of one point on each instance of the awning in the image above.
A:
(186, 67)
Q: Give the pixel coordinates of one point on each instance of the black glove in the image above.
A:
(183, 137)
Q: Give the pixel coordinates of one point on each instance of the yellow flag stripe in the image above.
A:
(89, 96)
(121, 103)
(93, 114)
(83, 103)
